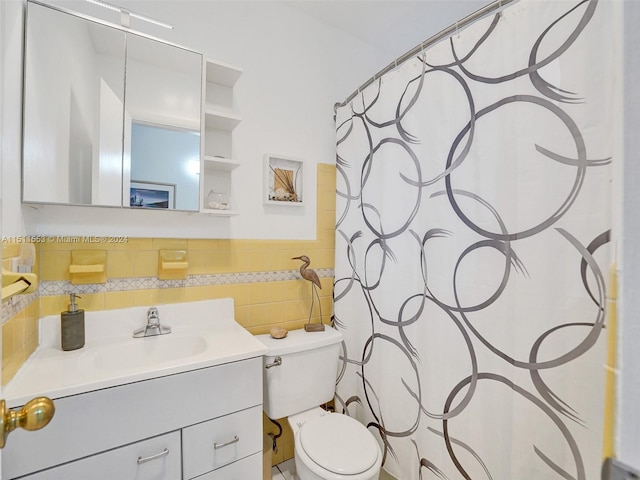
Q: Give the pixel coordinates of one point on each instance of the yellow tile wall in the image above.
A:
(285, 442)
(20, 332)
(258, 306)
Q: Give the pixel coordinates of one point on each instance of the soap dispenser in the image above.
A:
(72, 326)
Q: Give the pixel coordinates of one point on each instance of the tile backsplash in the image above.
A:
(259, 275)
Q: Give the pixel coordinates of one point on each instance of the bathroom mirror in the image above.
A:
(95, 135)
(162, 126)
(73, 109)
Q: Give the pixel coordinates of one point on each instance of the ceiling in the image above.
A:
(392, 26)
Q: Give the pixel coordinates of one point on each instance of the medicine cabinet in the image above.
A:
(95, 135)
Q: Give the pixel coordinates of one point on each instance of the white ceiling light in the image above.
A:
(126, 14)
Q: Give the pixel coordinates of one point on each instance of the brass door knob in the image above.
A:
(36, 414)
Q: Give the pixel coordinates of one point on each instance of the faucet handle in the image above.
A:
(153, 326)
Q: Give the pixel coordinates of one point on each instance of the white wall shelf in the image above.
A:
(222, 73)
(219, 213)
(220, 163)
(219, 121)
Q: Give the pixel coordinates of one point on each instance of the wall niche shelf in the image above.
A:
(283, 181)
(223, 73)
(220, 163)
(219, 120)
(212, 212)
(280, 203)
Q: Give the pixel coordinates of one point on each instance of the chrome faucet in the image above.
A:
(153, 326)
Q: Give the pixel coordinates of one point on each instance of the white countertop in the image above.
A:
(54, 373)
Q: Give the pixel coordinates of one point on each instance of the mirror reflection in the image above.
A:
(162, 125)
(73, 110)
(165, 164)
(95, 135)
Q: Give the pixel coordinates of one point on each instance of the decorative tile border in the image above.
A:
(64, 287)
(15, 305)
(11, 308)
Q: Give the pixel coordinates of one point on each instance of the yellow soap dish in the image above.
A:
(172, 264)
(88, 266)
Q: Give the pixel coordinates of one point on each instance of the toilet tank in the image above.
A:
(307, 375)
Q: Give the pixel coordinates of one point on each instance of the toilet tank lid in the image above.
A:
(299, 340)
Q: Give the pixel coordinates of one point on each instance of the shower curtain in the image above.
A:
(473, 243)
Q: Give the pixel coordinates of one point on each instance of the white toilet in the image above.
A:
(299, 375)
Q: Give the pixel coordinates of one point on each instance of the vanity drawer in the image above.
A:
(213, 444)
(246, 469)
(145, 460)
(129, 413)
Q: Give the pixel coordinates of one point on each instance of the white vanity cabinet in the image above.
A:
(178, 426)
(244, 470)
(157, 458)
(221, 441)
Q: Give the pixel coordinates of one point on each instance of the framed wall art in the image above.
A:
(152, 195)
(283, 180)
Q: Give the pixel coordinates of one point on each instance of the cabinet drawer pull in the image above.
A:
(235, 439)
(163, 453)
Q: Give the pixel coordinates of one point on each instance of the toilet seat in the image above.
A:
(339, 444)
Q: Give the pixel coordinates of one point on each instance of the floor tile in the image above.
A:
(288, 469)
(276, 475)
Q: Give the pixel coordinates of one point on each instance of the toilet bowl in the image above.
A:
(332, 446)
(300, 373)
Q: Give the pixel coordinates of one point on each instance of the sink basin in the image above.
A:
(204, 334)
(145, 352)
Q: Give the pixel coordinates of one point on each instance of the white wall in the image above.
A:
(628, 408)
(11, 30)
(295, 69)
(3, 65)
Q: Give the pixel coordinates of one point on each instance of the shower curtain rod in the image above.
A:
(469, 19)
